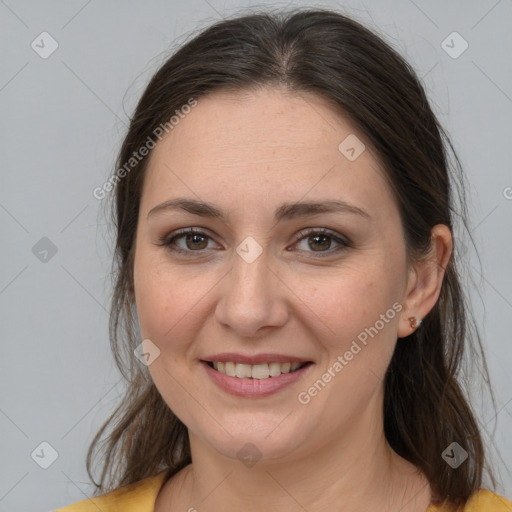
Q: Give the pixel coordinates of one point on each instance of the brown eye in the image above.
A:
(321, 241)
(194, 241)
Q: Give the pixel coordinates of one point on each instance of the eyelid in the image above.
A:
(323, 231)
(343, 241)
(167, 240)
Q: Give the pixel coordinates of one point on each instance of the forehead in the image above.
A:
(264, 145)
(288, 124)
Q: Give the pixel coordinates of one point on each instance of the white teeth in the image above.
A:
(229, 369)
(243, 370)
(256, 371)
(285, 367)
(260, 371)
(274, 369)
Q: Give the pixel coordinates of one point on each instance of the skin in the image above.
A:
(248, 153)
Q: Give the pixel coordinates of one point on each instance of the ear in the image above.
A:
(425, 279)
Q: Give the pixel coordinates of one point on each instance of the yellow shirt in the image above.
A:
(141, 497)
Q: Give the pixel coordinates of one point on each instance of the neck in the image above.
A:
(358, 472)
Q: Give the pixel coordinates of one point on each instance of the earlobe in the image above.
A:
(425, 281)
(413, 322)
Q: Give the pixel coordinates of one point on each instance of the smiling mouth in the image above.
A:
(255, 371)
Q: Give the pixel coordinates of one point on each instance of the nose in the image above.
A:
(253, 298)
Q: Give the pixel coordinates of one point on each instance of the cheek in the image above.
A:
(165, 313)
(361, 309)
(160, 299)
(350, 301)
(172, 303)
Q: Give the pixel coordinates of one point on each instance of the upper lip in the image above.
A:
(226, 357)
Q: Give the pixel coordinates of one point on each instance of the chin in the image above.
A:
(253, 441)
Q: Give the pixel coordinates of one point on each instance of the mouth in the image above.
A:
(261, 371)
(258, 380)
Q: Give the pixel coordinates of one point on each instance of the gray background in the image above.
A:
(63, 118)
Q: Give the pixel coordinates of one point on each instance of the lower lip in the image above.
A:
(254, 388)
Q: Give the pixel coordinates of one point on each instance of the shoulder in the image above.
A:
(137, 497)
(485, 500)
(481, 501)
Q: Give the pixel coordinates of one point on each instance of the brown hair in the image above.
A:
(326, 53)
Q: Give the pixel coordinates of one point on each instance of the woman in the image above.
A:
(290, 305)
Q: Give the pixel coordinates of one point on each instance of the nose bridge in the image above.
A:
(249, 277)
(251, 296)
(249, 273)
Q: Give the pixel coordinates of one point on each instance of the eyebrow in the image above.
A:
(285, 211)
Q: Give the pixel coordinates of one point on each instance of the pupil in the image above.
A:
(194, 238)
(324, 237)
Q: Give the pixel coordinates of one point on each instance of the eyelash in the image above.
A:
(305, 233)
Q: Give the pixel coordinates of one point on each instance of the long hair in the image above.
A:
(323, 52)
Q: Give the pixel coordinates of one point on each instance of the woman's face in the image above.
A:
(261, 284)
